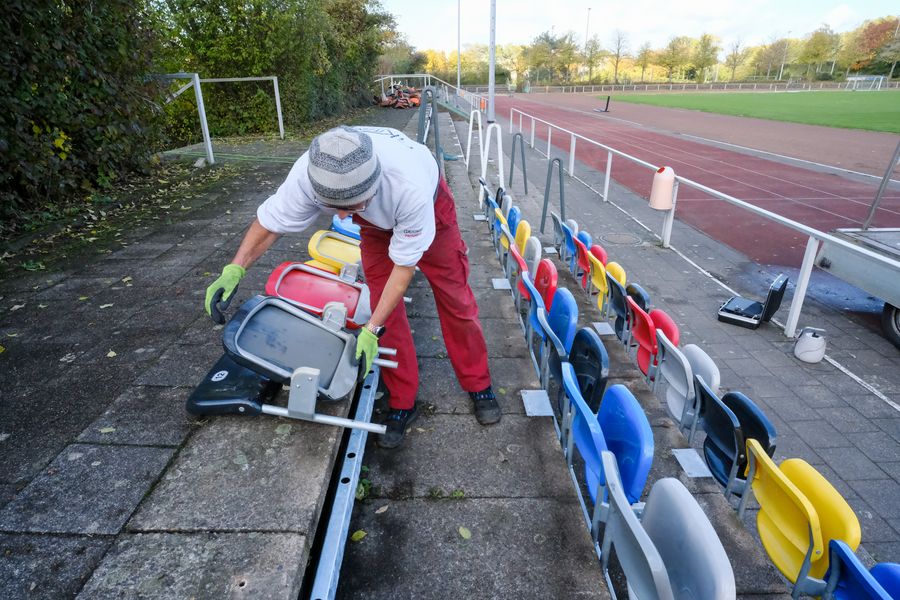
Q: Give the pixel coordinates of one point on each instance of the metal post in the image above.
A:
(512, 160)
(458, 63)
(562, 193)
(670, 218)
(532, 132)
(278, 108)
(812, 246)
(492, 52)
(572, 157)
(882, 187)
(201, 108)
(609, 157)
(549, 135)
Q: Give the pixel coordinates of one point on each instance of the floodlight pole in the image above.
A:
(493, 60)
(458, 63)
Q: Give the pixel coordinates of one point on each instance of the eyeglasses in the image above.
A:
(348, 209)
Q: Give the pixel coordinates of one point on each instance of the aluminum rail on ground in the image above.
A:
(331, 556)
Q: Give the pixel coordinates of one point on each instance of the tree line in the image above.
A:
(554, 59)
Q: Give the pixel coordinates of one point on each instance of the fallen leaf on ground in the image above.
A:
(106, 305)
(502, 390)
(43, 305)
(16, 307)
(358, 535)
(381, 510)
(2, 349)
(465, 533)
(12, 335)
(111, 354)
(107, 429)
(83, 298)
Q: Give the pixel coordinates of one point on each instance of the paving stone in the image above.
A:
(818, 396)
(878, 446)
(47, 566)
(142, 250)
(489, 463)
(504, 338)
(87, 489)
(883, 495)
(850, 464)
(151, 416)
(7, 492)
(201, 565)
(884, 551)
(479, 567)
(847, 419)
(874, 527)
(182, 365)
(871, 406)
(819, 434)
(245, 474)
(71, 288)
(509, 376)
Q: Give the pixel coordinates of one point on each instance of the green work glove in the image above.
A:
(220, 293)
(367, 344)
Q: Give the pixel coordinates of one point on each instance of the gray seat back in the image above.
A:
(506, 205)
(693, 555)
(703, 365)
(675, 377)
(643, 567)
(532, 254)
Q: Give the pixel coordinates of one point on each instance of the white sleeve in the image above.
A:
(290, 209)
(413, 231)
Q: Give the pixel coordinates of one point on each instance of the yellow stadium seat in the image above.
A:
(502, 220)
(598, 281)
(800, 513)
(334, 249)
(322, 266)
(616, 271)
(523, 232)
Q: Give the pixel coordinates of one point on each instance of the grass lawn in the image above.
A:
(876, 111)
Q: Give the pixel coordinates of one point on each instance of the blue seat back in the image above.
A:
(568, 242)
(345, 226)
(536, 303)
(854, 581)
(587, 436)
(515, 215)
(723, 432)
(617, 304)
(563, 317)
(628, 435)
(585, 238)
(755, 425)
(888, 576)
(639, 295)
(590, 360)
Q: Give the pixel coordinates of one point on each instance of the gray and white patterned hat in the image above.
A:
(343, 169)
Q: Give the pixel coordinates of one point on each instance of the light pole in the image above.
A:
(787, 42)
(587, 28)
(458, 64)
(492, 61)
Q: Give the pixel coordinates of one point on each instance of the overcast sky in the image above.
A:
(432, 24)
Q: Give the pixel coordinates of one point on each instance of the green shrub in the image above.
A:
(75, 103)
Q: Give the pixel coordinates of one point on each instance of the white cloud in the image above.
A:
(842, 17)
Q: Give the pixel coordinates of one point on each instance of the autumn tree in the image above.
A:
(737, 55)
(644, 58)
(618, 50)
(706, 54)
(675, 55)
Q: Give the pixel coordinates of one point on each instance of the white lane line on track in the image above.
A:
(809, 162)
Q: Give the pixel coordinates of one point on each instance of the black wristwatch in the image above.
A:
(378, 330)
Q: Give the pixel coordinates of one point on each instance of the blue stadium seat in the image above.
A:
(755, 425)
(848, 579)
(345, 226)
(628, 435)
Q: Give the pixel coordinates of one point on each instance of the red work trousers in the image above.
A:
(446, 267)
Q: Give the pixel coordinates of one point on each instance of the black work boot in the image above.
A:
(396, 422)
(487, 411)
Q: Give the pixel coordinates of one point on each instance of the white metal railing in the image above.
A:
(814, 235)
(680, 87)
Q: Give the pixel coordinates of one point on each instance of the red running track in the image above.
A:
(819, 200)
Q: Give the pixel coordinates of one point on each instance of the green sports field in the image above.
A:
(875, 111)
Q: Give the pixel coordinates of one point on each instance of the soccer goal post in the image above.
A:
(865, 82)
(195, 81)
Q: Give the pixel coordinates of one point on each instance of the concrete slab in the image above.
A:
(149, 416)
(87, 489)
(503, 336)
(201, 565)
(244, 474)
(516, 550)
(182, 365)
(509, 376)
(490, 463)
(47, 566)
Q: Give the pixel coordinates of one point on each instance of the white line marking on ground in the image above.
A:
(809, 162)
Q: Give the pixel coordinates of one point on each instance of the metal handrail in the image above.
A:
(562, 192)
(486, 146)
(512, 160)
(815, 236)
(472, 115)
(429, 99)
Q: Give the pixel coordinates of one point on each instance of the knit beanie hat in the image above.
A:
(343, 169)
